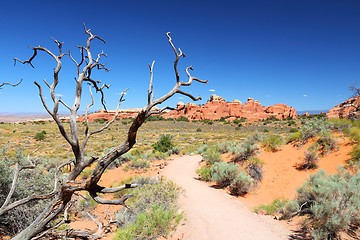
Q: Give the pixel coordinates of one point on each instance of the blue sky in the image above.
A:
(304, 53)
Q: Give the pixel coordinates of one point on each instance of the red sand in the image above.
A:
(281, 179)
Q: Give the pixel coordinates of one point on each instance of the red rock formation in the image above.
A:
(216, 108)
(346, 109)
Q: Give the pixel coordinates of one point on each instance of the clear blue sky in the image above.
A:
(304, 53)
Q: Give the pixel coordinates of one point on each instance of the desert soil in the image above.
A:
(212, 214)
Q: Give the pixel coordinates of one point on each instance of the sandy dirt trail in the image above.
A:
(212, 214)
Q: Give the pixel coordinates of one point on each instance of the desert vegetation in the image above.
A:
(218, 143)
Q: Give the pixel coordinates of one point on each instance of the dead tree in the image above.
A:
(64, 190)
(9, 84)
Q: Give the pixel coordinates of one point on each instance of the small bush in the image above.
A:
(290, 209)
(226, 147)
(294, 137)
(182, 119)
(355, 156)
(164, 144)
(35, 181)
(245, 151)
(139, 163)
(255, 171)
(312, 128)
(326, 143)
(332, 203)
(223, 173)
(154, 223)
(152, 212)
(293, 130)
(40, 136)
(101, 120)
(310, 161)
(155, 118)
(241, 184)
(272, 208)
(204, 173)
(272, 143)
(212, 155)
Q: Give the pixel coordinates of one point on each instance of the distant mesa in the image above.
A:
(215, 108)
(347, 109)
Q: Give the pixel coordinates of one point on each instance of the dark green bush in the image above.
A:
(164, 144)
(40, 136)
(332, 203)
(155, 118)
(182, 119)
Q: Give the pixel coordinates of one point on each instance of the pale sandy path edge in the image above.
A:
(211, 214)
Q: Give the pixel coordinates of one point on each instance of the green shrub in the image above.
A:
(152, 212)
(204, 173)
(354, 162)
(293, 130)
(223, 173)
(312, 128)
(354, 134)
(274, 207)
(182, 119)
(326, 143)
(152, 224)
(34, 181)
(241, 184)
(290, 209)
(139, 163)
(245, 151)
(332, 203)
(101, 120)
(272, 143)
(294, 137)
(155, 118)
(40, 136)
(212, 155)
(238, 121)
(226, 147)
(310, 161)
(202, 149)
(164, 144)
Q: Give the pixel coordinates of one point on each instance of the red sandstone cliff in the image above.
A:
(216, 107)
(346, 109)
